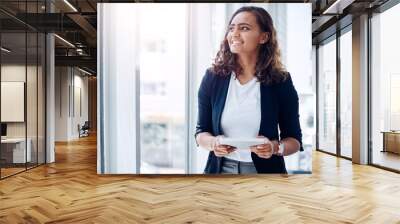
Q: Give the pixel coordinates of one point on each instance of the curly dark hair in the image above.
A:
(269, 68)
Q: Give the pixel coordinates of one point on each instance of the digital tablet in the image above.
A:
(241, 143)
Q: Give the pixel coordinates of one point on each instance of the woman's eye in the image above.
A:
(245, 28)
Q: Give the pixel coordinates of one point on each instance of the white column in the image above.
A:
(50, 99)
(360, 90)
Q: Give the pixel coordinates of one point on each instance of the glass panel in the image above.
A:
(13, 87)
(162, 84)
(31, 100)
(346, 94)
(41, 6)
(294, 31)
(327, 96)
(385, 86)
(14, 6)
(17, 8)
(41, 98)
(31, 85)
(20, 77)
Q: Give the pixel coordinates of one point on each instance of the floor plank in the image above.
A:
(70, 191)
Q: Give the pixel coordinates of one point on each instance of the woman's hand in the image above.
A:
(265, 150)
(221, 150)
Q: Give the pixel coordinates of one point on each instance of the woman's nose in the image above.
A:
(235, 32)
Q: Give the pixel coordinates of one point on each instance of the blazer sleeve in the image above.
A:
(289, 124)
(204, 118)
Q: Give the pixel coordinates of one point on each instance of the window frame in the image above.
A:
(334, 37)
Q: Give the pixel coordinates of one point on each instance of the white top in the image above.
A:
(241, 117)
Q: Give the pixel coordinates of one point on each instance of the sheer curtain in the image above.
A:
(117, 88)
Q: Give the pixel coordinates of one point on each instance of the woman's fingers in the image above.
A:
(221, 150)
(265, 155)
(224, 147)
(262, 150)
(264, 146)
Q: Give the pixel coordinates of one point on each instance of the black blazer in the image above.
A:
(279, 107)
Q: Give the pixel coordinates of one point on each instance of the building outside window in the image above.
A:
(346, 94)
(327, 96)
(385, 89)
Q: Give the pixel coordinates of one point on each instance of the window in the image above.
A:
(327, 96)
(385, 89)
(23, 81)
(346, 94)
(162, 88)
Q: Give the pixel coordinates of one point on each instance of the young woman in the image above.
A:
(247, 93)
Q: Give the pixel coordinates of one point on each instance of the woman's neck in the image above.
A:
(248, 64)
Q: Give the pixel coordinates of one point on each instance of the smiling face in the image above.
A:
(244, 34)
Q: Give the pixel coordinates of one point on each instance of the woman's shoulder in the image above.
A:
(286, 89)
(284, 86)
(211, 75)
(279, 80)
(286, 79)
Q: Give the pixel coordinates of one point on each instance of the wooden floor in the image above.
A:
(10, 171)
(70, 191)
(387, 159)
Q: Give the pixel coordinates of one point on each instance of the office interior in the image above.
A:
(49, 84)
(49, 119)
(46, 83)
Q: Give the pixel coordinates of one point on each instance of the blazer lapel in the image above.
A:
(263, 107)
(269, 111)
(222, 91)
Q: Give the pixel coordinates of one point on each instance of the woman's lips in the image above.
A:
(236, 42)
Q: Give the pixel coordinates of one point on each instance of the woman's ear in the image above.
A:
(264, 38)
